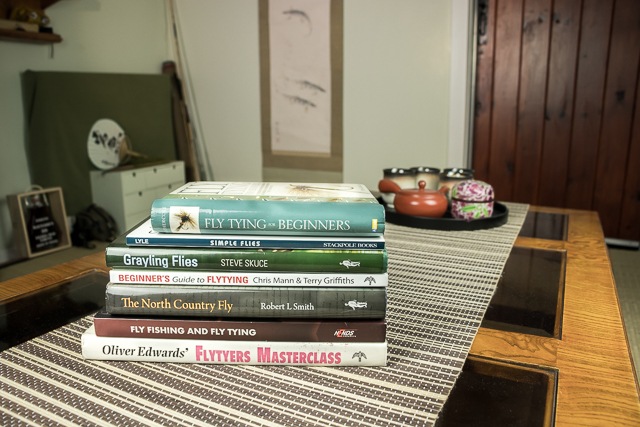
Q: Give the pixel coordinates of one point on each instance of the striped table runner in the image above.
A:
(440, 286)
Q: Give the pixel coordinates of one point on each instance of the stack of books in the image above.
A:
(249, 273)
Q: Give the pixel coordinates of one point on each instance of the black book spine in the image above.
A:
(248, 301)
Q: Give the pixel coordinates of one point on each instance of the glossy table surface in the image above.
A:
(588, 347)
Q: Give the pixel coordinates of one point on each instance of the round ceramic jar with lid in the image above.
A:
(471, 200)
(404, 177)
(428, 174)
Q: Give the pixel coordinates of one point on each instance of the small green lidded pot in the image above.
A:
(472, 199)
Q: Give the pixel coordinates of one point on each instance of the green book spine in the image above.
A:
(254, 302)
(258, 217)
(269, 208)
(119, 255)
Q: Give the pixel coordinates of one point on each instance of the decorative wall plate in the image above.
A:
(104, 144)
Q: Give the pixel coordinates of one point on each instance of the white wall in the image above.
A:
(219, 45)
(399, 105)
(396, 86)
(98, 36)
(397, 68)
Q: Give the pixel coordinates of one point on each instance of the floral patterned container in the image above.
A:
(472, 199)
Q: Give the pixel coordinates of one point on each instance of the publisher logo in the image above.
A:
(345, 333)
(360, 355)
(348, 263)
(355, 304)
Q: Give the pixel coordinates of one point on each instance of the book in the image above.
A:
(95, 347)
(246, 301)
(178, 278)
(145, 235)
(119, 255)
(107, 325)
(282, 208)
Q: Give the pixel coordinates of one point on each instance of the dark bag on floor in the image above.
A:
(93, 223)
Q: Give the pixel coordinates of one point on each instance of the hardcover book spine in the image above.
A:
(176, 277)
(209, 216)
(233, 352)
(238, 330)
(246, 301)
(286, 260)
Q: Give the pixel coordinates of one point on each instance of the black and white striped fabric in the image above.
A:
(440, 284)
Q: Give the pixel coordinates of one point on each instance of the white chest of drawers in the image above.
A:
(127, 194)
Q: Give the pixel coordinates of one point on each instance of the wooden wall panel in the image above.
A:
(590, 77)
(484, 84)
(558, 114)
(619, 102)
(531, 100)
(508, 34)
(557, 107)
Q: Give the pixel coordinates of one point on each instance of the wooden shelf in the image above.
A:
(29, 37)
(26, 36)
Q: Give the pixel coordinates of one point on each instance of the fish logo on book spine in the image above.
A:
(355, 304)
(348, 263)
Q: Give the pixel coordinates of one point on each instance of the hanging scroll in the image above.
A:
(301, 67)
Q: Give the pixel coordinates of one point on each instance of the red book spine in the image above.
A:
(241, 330)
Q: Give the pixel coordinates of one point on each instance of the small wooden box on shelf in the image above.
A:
(39, 222)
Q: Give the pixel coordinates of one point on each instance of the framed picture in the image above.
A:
(39, 222)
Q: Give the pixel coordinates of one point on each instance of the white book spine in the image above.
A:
(178, 277)
(232, 352)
